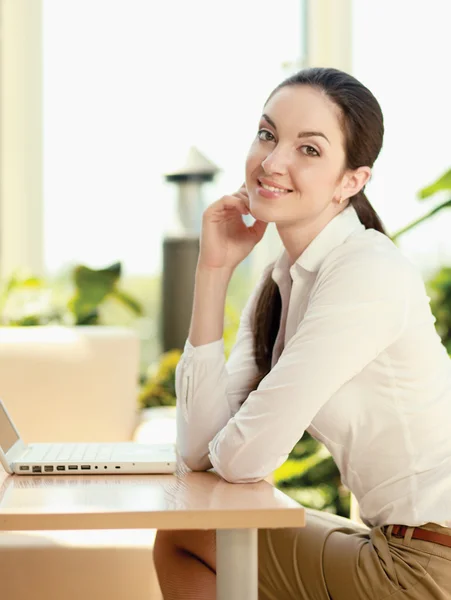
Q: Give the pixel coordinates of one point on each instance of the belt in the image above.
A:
(423, 534)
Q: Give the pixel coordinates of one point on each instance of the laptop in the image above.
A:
(80, 459)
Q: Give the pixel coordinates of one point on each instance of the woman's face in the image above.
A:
(294, 168)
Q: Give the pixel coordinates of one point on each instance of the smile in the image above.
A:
(272, 188)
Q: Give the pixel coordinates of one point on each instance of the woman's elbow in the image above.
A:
(195, 462)
(234, 474)
(233, 477)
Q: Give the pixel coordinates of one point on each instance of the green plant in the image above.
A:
(311, 477)
(27, 300)
(442, 184)
(231, 324)
(92, 288)
(159, 385)
(24, 300)
(439, 286)
(439, 290)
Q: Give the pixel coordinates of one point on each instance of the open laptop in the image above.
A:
(80, 459)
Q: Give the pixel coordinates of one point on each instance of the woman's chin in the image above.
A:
(262, 213)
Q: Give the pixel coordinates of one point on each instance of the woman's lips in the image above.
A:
(270, 191)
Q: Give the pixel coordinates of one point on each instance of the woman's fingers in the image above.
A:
(237, 202)
(258, 229)
(243, 195)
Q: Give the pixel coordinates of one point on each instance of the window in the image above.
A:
(128, 87)
(402, 56)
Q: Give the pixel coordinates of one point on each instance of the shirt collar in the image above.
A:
(331, 236)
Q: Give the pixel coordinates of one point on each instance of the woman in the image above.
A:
(338, 339)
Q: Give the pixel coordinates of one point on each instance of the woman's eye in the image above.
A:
(265, 135)
(309, 151)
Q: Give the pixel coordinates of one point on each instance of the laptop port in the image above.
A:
(37, 469)
(48, 468)
(72, 467)
(85, 467)
(60, 468)
(24, 468)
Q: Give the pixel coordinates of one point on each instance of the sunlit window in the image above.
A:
(129, 86)
(401, 53)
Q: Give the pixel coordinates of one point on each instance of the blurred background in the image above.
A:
(111, 109)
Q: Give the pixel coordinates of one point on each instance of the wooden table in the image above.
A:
(180, 501)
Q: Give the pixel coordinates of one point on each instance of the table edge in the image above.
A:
(180, 519)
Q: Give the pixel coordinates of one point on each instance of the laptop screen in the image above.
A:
(8, 436)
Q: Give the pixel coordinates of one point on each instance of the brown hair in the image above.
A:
(363, 128)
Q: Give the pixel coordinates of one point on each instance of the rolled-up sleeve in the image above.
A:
(210, 390)
(357, 308)
(202, 408)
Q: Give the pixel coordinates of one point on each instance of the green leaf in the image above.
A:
(86, 277)
(313, 497)
(307, 445)
(93, 286)
(29, 321)
(128, 301)
(15, 282)
(89, 318)
(443, 183)
(422, 219)
(294, 468)
(439, 291)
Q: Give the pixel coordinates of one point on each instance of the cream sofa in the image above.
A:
(73, 384)
(70, 383)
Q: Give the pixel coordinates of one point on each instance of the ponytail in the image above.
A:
(366, 213)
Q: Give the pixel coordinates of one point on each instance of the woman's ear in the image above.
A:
(354, 181)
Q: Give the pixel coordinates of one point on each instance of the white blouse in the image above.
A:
(357, 363)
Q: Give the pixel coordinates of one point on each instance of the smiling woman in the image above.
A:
(332, 341)
(298, 157)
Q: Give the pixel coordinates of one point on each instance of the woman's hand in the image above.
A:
(225, 239)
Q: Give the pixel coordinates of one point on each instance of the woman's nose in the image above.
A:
(276, 162)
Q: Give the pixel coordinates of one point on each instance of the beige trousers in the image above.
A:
(333, 558)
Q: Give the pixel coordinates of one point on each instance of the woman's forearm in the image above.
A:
(210, 290)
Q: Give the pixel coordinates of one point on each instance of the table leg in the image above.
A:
(236, 564)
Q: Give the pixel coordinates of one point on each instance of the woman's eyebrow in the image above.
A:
(269, 120)
(312, 133)
(301, 134)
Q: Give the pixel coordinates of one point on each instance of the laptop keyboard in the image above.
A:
(71, 452)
